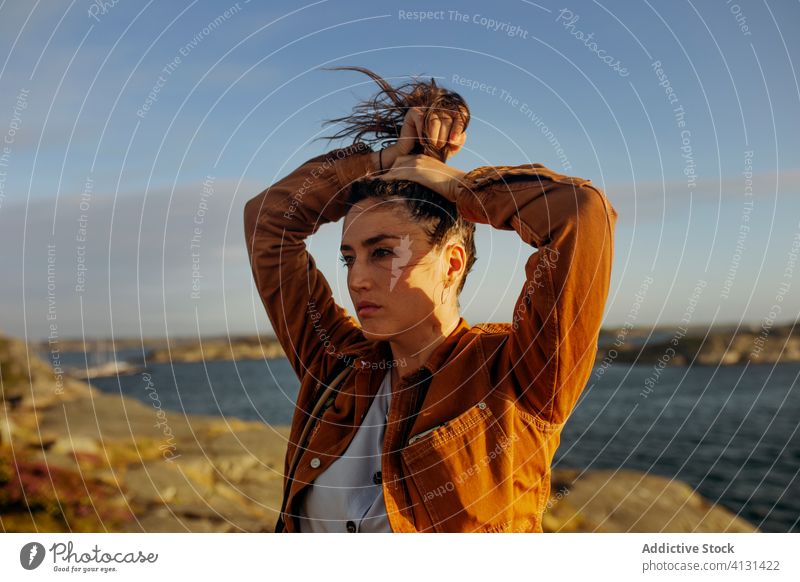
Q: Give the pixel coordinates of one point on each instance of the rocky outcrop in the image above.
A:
(77, 459)
(701, 346)
(217, 349)
(27, 382)
(82, 460)
(170, 472)
(630, 501)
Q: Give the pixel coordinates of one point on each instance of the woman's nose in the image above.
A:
(358, 277)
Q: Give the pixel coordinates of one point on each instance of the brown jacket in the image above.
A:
(495, 394)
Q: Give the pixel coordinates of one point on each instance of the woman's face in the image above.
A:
(391, 264)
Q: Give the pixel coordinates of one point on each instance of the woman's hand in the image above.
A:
(443, 179)
(444, 130)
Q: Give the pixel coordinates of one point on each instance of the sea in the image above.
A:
(730, 432)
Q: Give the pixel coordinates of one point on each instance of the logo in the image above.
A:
(404, 256)
(31, 555)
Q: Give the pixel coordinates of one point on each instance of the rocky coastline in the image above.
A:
(75, 459)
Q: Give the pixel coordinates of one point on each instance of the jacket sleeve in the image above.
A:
(552, 341)
(305, 318)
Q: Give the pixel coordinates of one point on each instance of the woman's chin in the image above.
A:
(367, 329)
(373, 330)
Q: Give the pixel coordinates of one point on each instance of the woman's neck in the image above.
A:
(406, 353)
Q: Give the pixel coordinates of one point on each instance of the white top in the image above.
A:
(348, 495)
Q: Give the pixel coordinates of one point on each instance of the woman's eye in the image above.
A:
(377, 253)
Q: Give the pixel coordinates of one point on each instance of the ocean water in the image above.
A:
(731, 433)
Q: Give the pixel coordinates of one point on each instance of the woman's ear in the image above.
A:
(456, 261)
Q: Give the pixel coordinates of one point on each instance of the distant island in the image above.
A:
(235, 348)
(716, 346)
(665, 346)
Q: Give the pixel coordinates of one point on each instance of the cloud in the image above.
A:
(153, 260)
(653, 201)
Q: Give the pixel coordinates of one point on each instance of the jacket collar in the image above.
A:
(381, 351)
(442, 352)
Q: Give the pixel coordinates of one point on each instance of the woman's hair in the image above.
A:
(381, 117)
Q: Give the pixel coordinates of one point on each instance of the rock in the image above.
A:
(629, 501)
(109, 418)
(211, 349)
(77, 444)
(208, 474)
(58, 460)
(164, 520)
(160, 482)
(7, 429)
(196, 467)
(217, 504)
(267, 495)
(30, 383)
(247, 453)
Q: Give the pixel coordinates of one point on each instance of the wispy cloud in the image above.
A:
(152, 260)
(656, 201)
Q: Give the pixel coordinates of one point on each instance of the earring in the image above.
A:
(441, 295)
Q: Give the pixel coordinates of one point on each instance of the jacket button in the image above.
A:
(481, 405)
(315, 462)
(377, 478)
(351, 527)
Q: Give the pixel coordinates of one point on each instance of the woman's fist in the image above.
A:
(443, 132)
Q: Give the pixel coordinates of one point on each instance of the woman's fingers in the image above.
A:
(403, 167)
(451, 131)
(444, 131)
(456, 137)
(418, 121)
(457, 132)
(434, 125)
(414, 115)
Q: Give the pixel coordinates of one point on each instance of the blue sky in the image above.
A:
(241, 97)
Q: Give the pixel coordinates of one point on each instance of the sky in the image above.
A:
(123, 122)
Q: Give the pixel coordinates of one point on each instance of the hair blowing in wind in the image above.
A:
(381, 116)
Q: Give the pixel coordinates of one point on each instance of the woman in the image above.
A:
(438, 425)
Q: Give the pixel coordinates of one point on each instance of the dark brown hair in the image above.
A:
(381, 117)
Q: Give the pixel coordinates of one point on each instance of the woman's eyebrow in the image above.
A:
(370, 241)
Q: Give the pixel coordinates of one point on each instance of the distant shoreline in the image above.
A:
(724, 345)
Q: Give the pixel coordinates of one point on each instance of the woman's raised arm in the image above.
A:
(298, 300)
(552, 341)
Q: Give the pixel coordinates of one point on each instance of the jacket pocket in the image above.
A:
(462, 471)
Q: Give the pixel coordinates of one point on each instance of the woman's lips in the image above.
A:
(368, 310)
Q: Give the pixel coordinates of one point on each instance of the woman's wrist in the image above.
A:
(383, 159)
(456, 185)
(376, 161)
